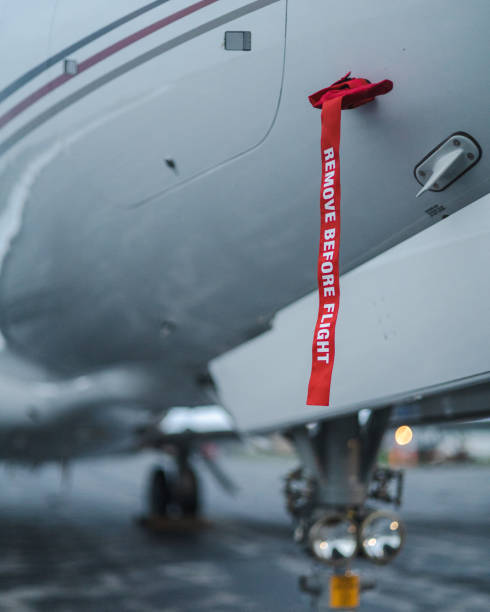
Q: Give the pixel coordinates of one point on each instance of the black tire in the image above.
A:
(159, 493)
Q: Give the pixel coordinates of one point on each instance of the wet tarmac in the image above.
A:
(75, 545)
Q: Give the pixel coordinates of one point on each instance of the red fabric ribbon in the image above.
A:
(344, 93)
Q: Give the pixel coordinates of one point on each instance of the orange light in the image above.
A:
(403, 435)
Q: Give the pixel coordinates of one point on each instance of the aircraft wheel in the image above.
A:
(159, 493)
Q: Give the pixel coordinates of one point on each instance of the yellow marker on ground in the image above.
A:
(344, 591)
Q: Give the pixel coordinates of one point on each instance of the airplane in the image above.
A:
(159, 179)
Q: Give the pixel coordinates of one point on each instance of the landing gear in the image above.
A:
(327, 497)
(186, 492)
(159, 495)
(173, 492)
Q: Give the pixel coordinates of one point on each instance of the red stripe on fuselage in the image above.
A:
(99, 57)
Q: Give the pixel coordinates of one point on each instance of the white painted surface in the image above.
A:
(414, 317)
(188, 104)
(91, 277)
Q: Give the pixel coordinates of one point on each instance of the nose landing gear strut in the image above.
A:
(327, 497)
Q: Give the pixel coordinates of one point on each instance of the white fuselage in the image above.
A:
(160, 205)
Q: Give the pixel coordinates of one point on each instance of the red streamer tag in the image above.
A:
(345, 93)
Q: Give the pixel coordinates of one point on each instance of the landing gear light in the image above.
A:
(333, 539)
(381, 536)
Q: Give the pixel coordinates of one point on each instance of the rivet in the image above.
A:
(470, 156)
(436, 185)
(421, 173)
(456, 142)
